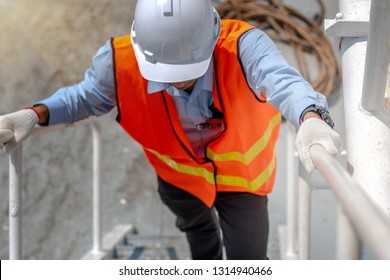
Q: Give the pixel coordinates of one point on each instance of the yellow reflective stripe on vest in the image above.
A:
(253, 151)
(234, 181)
(186, 169)
(251, 185)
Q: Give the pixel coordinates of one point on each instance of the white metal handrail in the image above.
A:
(363, 218)
(367, 220)
(15, 190)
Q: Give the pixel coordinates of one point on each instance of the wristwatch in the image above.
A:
(320, 110)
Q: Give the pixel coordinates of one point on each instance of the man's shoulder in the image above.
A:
(233, 28)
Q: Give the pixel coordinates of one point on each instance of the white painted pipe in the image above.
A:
(15, 204)
(377, 57)
(367, 136)
(97, 217)
(355, 10)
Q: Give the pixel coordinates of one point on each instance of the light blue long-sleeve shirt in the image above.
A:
(266, 71)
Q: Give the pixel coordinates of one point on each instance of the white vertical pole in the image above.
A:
(377, 57)
(292, 191)
(304, 208)
(15, 204)
(347, 243)
(367, 137)
(97, 227)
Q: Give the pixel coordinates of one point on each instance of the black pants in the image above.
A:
(242, 217)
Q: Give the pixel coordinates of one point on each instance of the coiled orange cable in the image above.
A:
(289, 26)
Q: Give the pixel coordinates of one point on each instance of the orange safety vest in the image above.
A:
(241, 159)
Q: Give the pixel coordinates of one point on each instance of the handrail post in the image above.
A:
(15, 204)
(348, 244)
(292, 185)
(304, 208)
(97, 217)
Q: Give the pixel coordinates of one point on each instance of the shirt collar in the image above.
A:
(156, 86)
(206, 80)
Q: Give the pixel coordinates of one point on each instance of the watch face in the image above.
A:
(320, 110)
(324, 113)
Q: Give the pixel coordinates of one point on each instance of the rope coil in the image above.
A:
(289, 26)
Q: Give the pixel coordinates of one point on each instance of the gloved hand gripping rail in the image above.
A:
(16, 127)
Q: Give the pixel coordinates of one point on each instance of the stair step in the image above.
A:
(152, 248)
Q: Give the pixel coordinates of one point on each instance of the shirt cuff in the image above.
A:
(58, 114)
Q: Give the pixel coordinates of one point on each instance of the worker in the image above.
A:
(204, 97)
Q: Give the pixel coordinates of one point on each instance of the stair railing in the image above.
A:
(15, 190)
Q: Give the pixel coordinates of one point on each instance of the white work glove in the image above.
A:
(16, 127)
(316, 131)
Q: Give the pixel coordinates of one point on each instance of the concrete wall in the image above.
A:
(45, 45)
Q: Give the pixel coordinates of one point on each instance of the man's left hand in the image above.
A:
(315, 131)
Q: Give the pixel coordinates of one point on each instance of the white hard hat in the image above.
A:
(173, 40)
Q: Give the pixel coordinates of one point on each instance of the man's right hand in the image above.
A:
(16, 127)
(6, 135)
